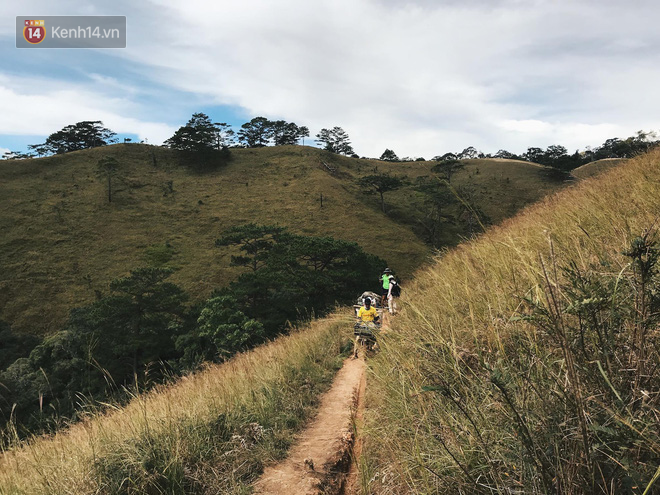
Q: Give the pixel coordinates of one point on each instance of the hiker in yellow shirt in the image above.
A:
(367, 313)
(367, 318)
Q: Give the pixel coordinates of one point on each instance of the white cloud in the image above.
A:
(42, 112)
(421, 77)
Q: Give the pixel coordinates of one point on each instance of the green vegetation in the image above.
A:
(335, 140)
(63, 242)
(527, 360)
(381, 184)
(79, 136)
(212, 432)
(291, 276)
(142, 332)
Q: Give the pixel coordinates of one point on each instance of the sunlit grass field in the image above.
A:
(526, 361)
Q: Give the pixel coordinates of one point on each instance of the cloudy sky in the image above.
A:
(421, 77)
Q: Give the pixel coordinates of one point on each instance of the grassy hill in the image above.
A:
(526, 361)
(469, 392)
(211, 432)
(597, 167)
(63, 242)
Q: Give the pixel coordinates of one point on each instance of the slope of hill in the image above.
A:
(594, 168)
(63, 242)
(527, 361)
(212, 432)
(177, 439)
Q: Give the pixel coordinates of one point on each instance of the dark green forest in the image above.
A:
(142, 331)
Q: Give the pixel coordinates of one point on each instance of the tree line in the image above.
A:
(556, 156)
(199, 134)
(143, 328)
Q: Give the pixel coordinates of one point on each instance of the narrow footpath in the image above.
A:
(320, 461)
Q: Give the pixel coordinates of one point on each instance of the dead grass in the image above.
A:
(211, 432)
(457, 320)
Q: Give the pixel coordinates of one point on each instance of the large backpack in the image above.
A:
(396, 289)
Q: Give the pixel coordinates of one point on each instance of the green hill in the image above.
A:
(597, 167)
(63, 242)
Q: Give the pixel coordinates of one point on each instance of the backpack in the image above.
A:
(396, 290)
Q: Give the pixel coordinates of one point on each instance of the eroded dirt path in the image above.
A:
(320, 459)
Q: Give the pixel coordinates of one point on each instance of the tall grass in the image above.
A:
(527, 361)
(211, 432)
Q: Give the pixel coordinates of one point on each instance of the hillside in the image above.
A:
(527, 361)
(467, 382)
(63, 242)
(211, 432)
(597, 167)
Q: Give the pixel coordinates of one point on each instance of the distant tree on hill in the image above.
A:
(381, 183)
(286, 133)
(506, 155)
(438, 200)
(16, 155)
(335, 140)
(448, 167)
(256, 133)
(107, 169)
(255, 241)
(534, 155)
(389, 156)
(469, 212)
(224, 135)
(446, 156)
(469, 153)
(79, 136)
(199, 134)
(38, 149)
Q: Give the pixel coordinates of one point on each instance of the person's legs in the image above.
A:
(390, 303)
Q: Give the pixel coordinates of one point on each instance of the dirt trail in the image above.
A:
(319, 461)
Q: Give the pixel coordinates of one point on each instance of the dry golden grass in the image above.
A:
(458, 314)
(191, 425)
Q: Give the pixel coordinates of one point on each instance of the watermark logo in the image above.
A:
(71, 31)
(34, 31)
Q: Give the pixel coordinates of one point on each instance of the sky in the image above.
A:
(420, 77)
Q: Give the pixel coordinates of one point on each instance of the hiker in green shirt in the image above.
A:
(385, 278)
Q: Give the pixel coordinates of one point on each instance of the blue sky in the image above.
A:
(420, 77)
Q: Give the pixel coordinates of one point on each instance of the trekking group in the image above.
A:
(367, 316)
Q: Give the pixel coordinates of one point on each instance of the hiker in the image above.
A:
(367, 313)
(385, 279)
(393, 294)
(365, 324)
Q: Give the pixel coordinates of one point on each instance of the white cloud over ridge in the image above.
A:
(46, 111)
(419, 77)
